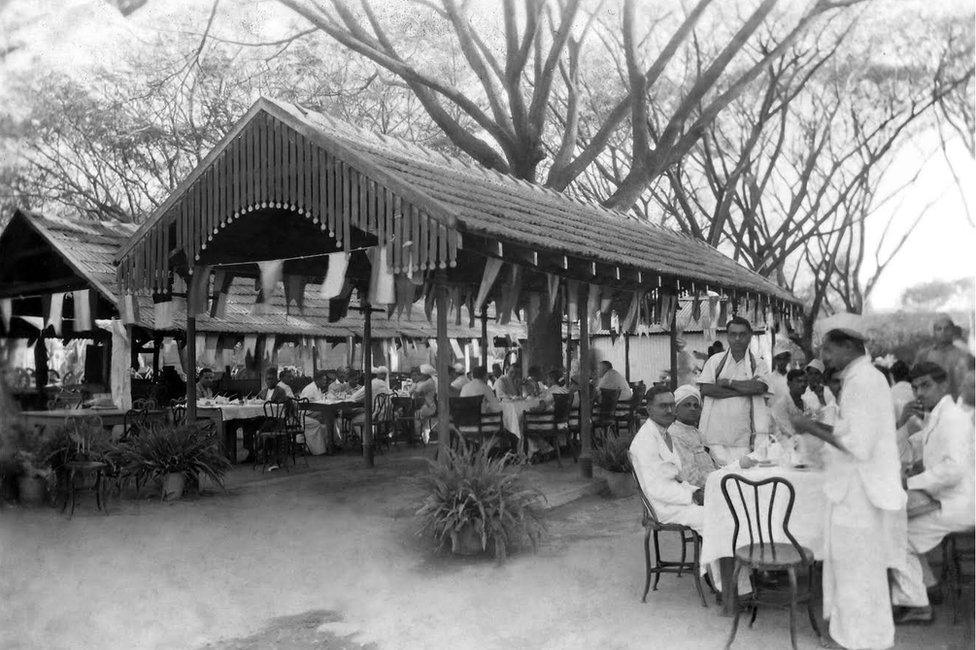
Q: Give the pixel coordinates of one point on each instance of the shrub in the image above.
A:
(471, 489)
(612, 455)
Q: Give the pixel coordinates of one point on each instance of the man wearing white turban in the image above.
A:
(696, 463)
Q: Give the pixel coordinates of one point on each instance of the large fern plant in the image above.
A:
(186, 450)
(465, 488)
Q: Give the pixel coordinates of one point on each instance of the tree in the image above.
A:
(939, 295)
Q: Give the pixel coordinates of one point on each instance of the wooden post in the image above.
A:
(484, 338)
(673, 332)
(368, 383)
(586, 401)
(157, 344)
(443, 381)
(569, 338)
(191, 356)
(626, 356)
(40, 364)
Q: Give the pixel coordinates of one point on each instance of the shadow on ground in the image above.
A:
(306, 630)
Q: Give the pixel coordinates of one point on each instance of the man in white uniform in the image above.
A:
(733, 386)
(610, 379)
(864, 527)
(944, 446)
(782, 355)
(818, 398)
(696, 462)
(316, 391)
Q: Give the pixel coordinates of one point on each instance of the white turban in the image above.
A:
(681, 393)
(427, 369)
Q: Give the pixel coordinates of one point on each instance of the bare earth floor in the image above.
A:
(328, 558)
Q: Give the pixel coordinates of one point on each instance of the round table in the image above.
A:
(512, 410)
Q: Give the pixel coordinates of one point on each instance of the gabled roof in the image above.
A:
(459, 197)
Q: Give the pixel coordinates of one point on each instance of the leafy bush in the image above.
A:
(612, 455)
(471, 489)
(186, 449)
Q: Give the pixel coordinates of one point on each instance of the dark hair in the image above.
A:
(320, 373)
(838, 337)
(203, 370)
(607, 363)
(738, 320)
(900, 371)
(555, 374)
(933, 370)
(479, 372)
(793, 374)
(534, 371)
(655, 390)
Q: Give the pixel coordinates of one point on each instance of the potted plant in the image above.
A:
(476, 504)
(613, 459)
(174, 455)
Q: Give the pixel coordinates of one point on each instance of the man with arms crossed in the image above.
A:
(733, 385)
(864, 527)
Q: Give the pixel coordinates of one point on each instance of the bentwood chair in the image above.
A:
(466, 421)
(294, 429)
(604, 421)
(550, 425)
(404, 419)
(958, 557)
(686, 534)
(271, 440)
(763, 524)
(381, 420)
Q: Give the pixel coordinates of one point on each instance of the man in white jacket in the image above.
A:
(944, 446)
(864, 517)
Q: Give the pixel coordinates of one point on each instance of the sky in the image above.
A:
(78, 33)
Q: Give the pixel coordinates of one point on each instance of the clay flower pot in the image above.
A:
(173, 485)
(32, 490)
(621, 484)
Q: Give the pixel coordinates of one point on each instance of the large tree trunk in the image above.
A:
(544, 347)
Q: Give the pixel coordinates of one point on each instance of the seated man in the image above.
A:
(278, 388)
(696, 463)
(379, 386)
(509, 385)
(532, 385)
(315, 437)
(553, 387)
(786, 440)
(205, 382)
(479, 386)
(610, 379)
(944, 446)
(339, 388)
(458, 379)
(818, 398)
(425, 388)
(658, 465)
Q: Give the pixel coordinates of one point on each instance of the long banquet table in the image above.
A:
(109, 417)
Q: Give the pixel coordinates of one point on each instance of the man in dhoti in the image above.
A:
(864, 527)
(944, 449)
(733, 386)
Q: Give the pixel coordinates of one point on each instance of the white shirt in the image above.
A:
(825, 413)
(490, 403)
(379, 387)
(945, 447)
(866, 428)
(613, 380)
(312, 393)
(901, 394)
(732, 421)
(778, 386)
(459, 382)
(659, 471)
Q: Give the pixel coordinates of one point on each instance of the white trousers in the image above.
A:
(925, 532)
(859, 547)
(314, 436)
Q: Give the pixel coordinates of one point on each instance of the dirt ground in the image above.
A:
(330, 559)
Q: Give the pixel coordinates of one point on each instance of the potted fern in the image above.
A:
(475, 504)
(613, 459)
(174, 455)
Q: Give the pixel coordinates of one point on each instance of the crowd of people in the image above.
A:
(895, 443)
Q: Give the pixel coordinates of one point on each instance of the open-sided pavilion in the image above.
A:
(297, 186)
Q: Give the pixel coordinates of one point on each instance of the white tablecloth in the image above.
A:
(512, 411)
(236, 411)
(806, 520)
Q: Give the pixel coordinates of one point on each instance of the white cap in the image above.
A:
(459, 367)
(782, 347)
(851, 324)
(382, 370)
(686, 391)
(817, 364)
(427, 369)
